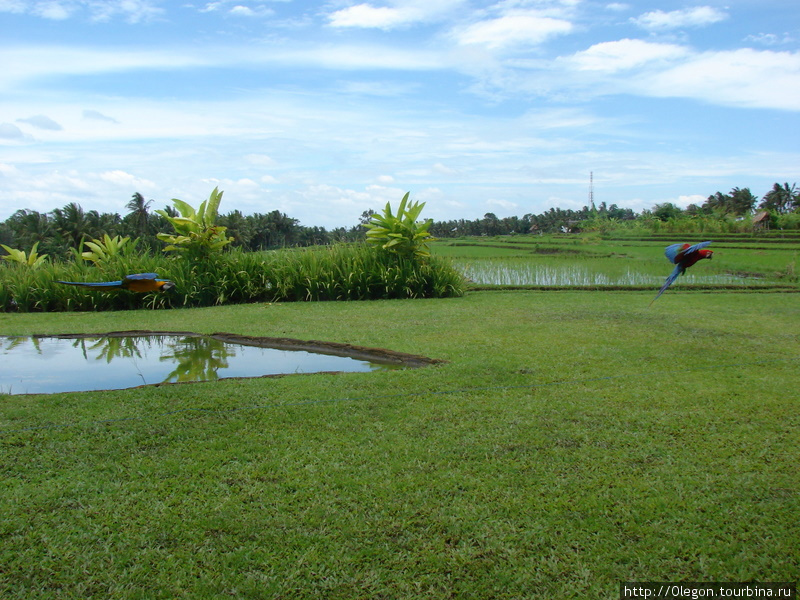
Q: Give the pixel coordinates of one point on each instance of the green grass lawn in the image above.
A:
(572, 441)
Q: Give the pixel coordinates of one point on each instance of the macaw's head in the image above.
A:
(167, 285)
(706, 253)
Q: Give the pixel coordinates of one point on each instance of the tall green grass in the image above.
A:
(339, 272)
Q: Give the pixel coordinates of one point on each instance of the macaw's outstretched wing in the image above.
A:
(676, 272)
(677, 252)
(140, 277)
(138, 282)
(91, 284)
(146, 282)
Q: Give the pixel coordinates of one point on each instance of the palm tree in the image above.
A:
(29, 227)
(138, 207)
(781, 198)
(71, 223)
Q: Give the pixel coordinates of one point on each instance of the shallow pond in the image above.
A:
(33, 365)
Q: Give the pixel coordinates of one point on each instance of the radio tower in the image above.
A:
(591, 190)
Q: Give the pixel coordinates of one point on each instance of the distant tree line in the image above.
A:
(552, 220)
(734, 211)
(63, 230)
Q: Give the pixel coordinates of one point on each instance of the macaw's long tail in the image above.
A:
(670, 280)
(101, 284)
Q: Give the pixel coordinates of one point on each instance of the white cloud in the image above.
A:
(444, 169)
(34, 62)
(55, 11)
(504, 204)
(9, 131)
(98, 116)
(687, 17)
(22, 64)
(350, 57)
(771, 39)
(13, 6)
(8, 170)
(261, 160)
(133, 11)
(400, 13)
(744, 77)
(212, 7)
(246, 11)
(126, 180)
(41, 122)
(684, 201)
(366, 15)
(624, 54)
(526, 29)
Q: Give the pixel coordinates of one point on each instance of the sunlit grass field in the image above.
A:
(571, 441)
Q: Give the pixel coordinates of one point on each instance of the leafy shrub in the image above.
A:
(107, 247)
(401, 234)
(33, 259)
(196, 236)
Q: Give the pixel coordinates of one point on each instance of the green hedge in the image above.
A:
(339, 272)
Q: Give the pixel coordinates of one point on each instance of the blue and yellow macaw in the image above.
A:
(140, 282)
(682, 256)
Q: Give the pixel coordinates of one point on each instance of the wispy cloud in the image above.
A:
(126, 180)
(41, 122)
(98, 116)
(56, 11)
(398, 14)
(132, 11)
(624, 54)
(33, 62)
(698, 16)
(366, 15)
(733, 78)
(248, 11)
(9, 131)
(513, 29)
(771, 39)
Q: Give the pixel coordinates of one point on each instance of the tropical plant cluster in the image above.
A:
(336, 272)
(205, 275)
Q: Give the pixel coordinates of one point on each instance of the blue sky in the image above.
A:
(323, 110)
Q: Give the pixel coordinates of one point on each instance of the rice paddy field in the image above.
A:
(585, 261)
(570, 438)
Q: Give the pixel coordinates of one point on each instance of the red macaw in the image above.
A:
(140, 282)
(683, 256)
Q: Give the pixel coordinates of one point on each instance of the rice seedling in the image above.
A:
(591, 273)
(591, 261)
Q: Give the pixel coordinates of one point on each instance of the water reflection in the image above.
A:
(31, 365)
